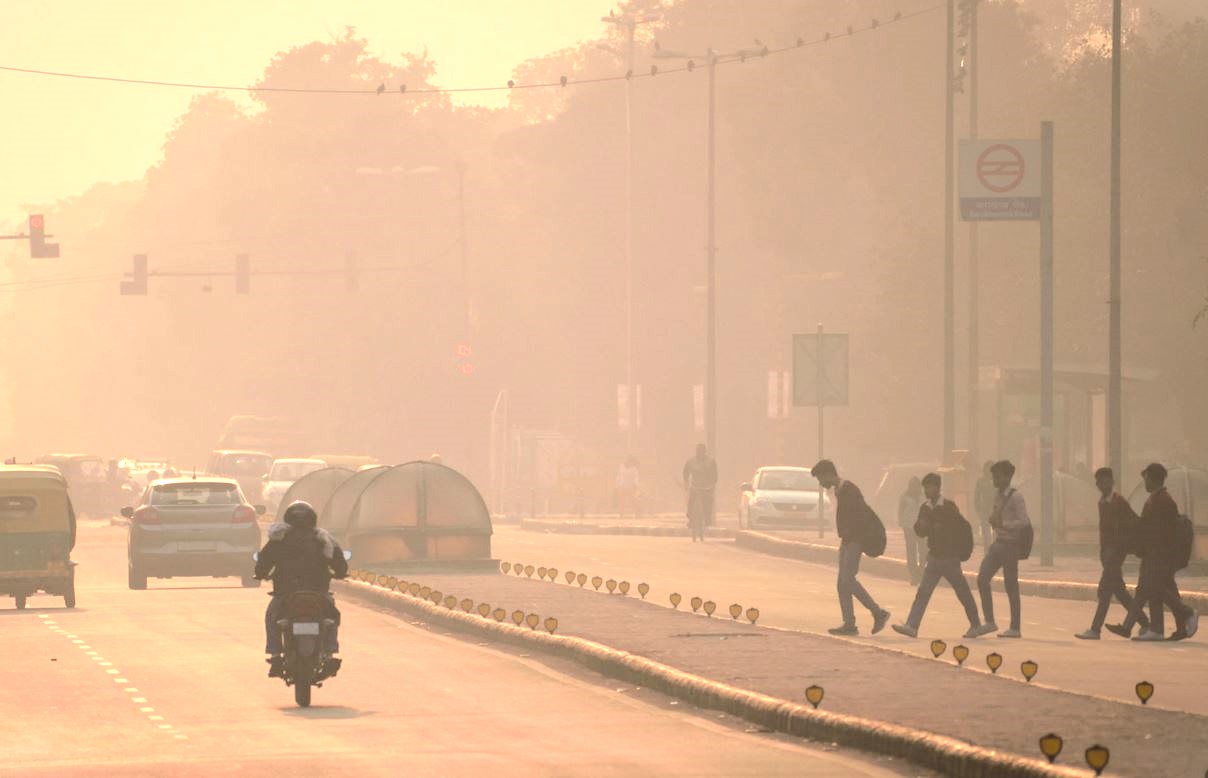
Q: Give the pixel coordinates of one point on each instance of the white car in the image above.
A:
(282, 475)
(782, 497)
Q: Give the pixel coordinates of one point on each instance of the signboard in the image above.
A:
(1000, 180)
(832, 373)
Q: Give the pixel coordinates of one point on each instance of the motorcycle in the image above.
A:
(305, 634)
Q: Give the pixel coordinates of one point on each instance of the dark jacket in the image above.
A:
(300, 560)
(941, 526)
(851, 512)
(1158, 530)
(1117, 530)
(700, 473)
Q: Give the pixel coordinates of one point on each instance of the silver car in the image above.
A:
(780, 497)
(192, 527)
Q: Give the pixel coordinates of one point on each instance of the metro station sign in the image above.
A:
(1000, 180)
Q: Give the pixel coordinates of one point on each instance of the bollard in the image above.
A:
(467, 605)
(610, 585)
(529, 570)
(753, 614)
(484, 609)
(499, 614)
(541, 573)
(1051, 745)
(551, 624)
(696, 602)
(1144, 691)
(675, 600)
(814, 695)
(960, 653)
(1029, 669)
(643, 589)
(735, 611)
(570, 576)
(552, 572)
(506, 567)
(532, 620)
(623, 587)
(1097, 757)
(596, 581)
(518, 617)
(581, 579)
(710, 606)
(937, 648)
(994, 661)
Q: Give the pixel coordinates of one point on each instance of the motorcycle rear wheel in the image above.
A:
(302, 694)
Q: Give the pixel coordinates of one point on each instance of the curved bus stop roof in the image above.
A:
(424, 496)
(316, 487)
(338, 511)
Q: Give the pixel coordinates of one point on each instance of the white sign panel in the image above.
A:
(1000, 180)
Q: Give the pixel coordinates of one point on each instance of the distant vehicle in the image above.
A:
(275, 434)
(144, 471)
(87, 478)
(37, 533)
(192, 527)
(780, 497)
(247, 467)
(282, 476)
(348, 461)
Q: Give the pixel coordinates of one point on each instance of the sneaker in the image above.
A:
(276, 666)
(1178, 634)
(1090, 634)
(974, 632)
(984, 629)
(906, 629)
(1193, 624)
(1149, 636)
(1010, 633)
(879, 621)
(1121, 630)
(846, 629)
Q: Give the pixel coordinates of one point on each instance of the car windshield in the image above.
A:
(292, 471)
(194, 493)
(246, 464)
(787, 481)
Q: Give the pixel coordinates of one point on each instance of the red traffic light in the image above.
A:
(467, 369)
(464, 350)
(37, 222)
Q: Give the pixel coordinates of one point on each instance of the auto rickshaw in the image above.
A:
(37, 533)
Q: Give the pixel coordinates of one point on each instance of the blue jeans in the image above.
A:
(1000, 555)
(848, 586)
(272, 633)
(949, 570)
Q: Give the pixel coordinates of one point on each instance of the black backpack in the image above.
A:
(962, 539)
(1184, 541)
(872, 540)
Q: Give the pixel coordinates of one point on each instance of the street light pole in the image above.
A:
(974, 280)
(465, 249)
(949, 241)
(1115, 426)
(711, 272)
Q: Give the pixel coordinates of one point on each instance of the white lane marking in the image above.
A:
(146, 710)
(118, 680)
(104, 664)
(138, 699)
(77, 641)
(112, 672)
(165, 726)
(156, 718)
(181, 737)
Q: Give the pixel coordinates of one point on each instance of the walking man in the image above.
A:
(1159, 532)
(908, 513)
(700, 478)
(950, 542)
(1011, 524)
(852, 515)
(1117, 537)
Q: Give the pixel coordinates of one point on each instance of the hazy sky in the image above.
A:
(62, 135)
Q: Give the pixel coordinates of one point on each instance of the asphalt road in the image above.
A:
(800, 596)
(170, 681)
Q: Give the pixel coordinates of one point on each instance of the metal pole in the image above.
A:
(974, 270)
(949, 240)
(710, 293)
(821, 399)
(1115, 425)
(463, 240)
(630, 400)
(1046, 343)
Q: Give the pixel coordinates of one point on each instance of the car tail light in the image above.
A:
(244, 514)
(145, 515)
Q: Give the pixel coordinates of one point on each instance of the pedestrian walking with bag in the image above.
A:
(1012, 543)
(860, 532)
(950, 542)
(1118, 525)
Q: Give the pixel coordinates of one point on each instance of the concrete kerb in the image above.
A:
(926, 749)
(890, 567)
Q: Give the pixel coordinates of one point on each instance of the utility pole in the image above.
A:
(463, 239)
(949, 240)
(711, 271)
(1115, 425)
(974, 281)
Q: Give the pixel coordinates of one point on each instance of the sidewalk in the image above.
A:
(933, 696)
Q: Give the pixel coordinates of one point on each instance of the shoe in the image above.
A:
(846, 629)
(879, 621)
(1178, 634)
(906, 629)
(1090, 634)
(974, 632)
(1119, 629)
(984, 629)
(276, 666)
(1193, 624)
(1149, 636)
(1010, 633)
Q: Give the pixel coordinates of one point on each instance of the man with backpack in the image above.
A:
(949, 542)
(1165, 548)
(860, 532)
(1012, 542)
(1117, 538)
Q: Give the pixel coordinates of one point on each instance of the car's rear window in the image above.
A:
(195, 494)
(17, 507)
(788, 481)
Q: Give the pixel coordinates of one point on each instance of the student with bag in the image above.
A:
(1117, 536)
(860, 532)
(1012, 542)
(949, 542)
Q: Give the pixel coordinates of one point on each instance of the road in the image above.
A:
(170, 681)
(800, 596)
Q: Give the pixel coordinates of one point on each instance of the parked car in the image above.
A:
(781, 497)
(246, 467)
(282, 476)
(192, 527)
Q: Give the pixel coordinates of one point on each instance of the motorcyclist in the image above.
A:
(298, 557)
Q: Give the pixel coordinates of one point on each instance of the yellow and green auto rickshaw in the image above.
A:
(37, 533)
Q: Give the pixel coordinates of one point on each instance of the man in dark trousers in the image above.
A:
(1009, 520)
(1158, 536)
(1117, 538)
(851, 517)
(949, 539)
(700, 478)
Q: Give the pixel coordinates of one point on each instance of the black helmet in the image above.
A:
(300, 514)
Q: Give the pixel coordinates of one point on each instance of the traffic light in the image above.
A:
(138, 276)
(464, 352)
(243, 274)
(38, 247)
